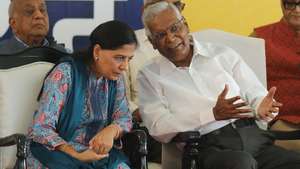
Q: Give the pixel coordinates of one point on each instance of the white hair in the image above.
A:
(151, 11)
(149, 1)
(11, 8)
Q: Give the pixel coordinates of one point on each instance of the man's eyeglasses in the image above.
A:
(174, 29)
(180, 5)
(290, 5)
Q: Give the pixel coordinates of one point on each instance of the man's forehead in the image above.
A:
(163, 20)
(30, 2)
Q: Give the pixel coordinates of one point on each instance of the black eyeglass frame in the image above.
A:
(288, 5)
(158, 36)
(180, 5)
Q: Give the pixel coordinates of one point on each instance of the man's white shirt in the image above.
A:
(175, 99)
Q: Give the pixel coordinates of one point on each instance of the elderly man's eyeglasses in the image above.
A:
(180, 5)
(174, 29)
(290, 5)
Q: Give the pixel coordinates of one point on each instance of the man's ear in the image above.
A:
(13, 24)
(152, 42)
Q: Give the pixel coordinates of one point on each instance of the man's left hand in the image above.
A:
(268, 106)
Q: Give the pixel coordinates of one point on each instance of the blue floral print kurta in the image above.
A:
(93, 119)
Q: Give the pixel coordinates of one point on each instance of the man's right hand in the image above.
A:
(228, 109)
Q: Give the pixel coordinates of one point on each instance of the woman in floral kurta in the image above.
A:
(91, 141)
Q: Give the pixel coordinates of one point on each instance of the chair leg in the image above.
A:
(22, 152)
(20, 164)
(190, 157)
(144, 164)
(190, 163)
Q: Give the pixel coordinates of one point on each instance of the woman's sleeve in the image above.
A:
(55, 91)
(122, 115)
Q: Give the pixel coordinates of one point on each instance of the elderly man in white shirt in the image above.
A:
(210, 89)
(143, 54)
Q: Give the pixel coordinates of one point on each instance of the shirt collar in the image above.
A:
(45, 42)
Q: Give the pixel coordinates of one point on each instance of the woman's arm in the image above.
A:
(121, 122)
(55, 91)
(86, 156)
(122, 117)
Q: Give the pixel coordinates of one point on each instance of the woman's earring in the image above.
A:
(97, 58)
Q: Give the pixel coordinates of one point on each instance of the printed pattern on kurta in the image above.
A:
(94, 117)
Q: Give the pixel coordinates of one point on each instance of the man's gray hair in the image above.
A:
(11, 8)
(149, 1)
(151, 11)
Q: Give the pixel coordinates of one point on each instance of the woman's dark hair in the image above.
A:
(109, 35)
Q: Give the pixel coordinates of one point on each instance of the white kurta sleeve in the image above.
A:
(164, 124)
(252, 89)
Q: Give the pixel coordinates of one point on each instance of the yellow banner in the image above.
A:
(237, 16)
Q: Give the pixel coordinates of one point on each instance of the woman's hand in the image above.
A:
(85, 156)
(90, 156)
(103, 141)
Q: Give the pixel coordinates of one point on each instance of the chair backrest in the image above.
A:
(21, 78)
(252, 50)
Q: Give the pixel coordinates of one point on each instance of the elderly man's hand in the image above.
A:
(268, 106)
(227, 108)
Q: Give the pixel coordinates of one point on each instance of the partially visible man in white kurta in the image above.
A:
(143, 54)
(207, 88)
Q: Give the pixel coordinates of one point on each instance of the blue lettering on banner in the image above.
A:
(71, 21)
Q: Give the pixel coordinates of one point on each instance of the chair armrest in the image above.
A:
(10, 140)
(135, 147)
(142, 140)
(16, 139)
(187, 137)
(286, 135)
(22, 148)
